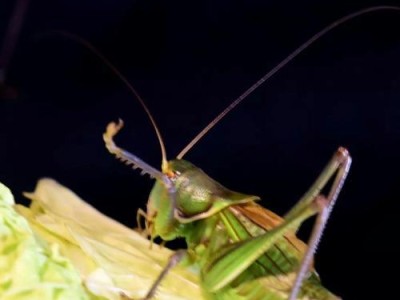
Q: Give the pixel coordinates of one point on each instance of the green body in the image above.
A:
(239, 249)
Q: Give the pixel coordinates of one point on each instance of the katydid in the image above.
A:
(242, 250)
(239, 249)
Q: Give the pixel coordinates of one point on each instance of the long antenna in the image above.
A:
(94, 50)
(277, 68)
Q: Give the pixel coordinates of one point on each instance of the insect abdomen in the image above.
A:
(273, 274)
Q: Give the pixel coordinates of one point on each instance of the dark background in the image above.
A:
(189, 60)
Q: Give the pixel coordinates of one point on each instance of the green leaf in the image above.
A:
(27, 269)
(111, 258)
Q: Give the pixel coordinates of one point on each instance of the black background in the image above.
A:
(189, 60)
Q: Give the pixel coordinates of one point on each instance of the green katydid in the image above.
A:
(239, 249)
(242, 250)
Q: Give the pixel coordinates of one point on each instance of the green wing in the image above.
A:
(272, 275)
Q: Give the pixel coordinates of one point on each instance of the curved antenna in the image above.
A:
(116, 72)
(272, 72)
